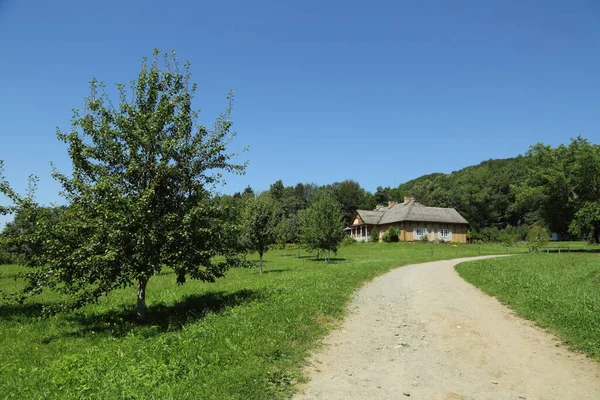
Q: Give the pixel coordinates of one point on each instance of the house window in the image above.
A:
(445, 234)
(420, 232)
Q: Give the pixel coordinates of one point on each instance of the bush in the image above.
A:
(491, 234)
(511, 235)
(347, 240)
(6, 258)
(537, 237)
(508, 236)
(374, 236)
(474, 237)
(391, 235)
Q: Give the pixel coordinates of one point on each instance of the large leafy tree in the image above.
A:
(139, 195)
(261, 219)
(322, 226)
(352, 197)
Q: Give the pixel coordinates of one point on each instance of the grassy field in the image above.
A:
(246, 336)
(557, 291)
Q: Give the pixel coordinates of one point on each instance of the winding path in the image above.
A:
(421, 332)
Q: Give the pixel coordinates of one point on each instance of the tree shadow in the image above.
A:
(332, 260)
(270, 271)
(28, 310)
(160, 317)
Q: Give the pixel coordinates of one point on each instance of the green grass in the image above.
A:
(560, 292)
(247, 336)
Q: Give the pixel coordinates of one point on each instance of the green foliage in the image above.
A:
(347, 241)
(288, 230)
(322, 225)
(352, 197)
(7, 258)
(261, 219)
(511, 235)
(139, 195)
(20, 239)
(537, 237)
(559, 182)
(374, 235)
(481, 193)
(586, 223)
(391, 235)
(289, 199)
(557, 291)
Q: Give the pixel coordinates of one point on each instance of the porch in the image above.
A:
(358, 233)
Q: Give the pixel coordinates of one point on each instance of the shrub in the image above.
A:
(374, 236)
(537, 237)
(491, 234)
(347, 240)
(391, 235)
(6, 258)
(511, 235)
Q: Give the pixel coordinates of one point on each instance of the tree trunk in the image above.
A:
(141, 299)
(298, 254)
(260, 264)
(328, 255)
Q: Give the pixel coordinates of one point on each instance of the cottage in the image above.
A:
(412, 220)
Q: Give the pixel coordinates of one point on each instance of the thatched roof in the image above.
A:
(411, 211)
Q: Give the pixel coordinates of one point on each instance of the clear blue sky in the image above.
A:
(379, 91)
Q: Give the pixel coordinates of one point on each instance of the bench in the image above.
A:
(556, 248)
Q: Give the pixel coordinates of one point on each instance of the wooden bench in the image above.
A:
(554, 248)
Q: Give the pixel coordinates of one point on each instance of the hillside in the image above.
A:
(481, 193)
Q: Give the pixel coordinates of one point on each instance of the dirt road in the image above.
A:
(421, 332)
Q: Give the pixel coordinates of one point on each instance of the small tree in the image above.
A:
(139, 195)
(288, 230)
(537, 237)
(260, 224)
(322, 225)
(374, 235)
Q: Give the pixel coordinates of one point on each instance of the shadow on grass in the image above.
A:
(160, 317)
(332, 260)
(270, 271)
(29, 310)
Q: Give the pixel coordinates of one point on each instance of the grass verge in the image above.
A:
(247, 336)
(557, 291)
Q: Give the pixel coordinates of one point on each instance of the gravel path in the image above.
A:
(421, 332)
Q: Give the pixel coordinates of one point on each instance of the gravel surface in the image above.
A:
(421, 332)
